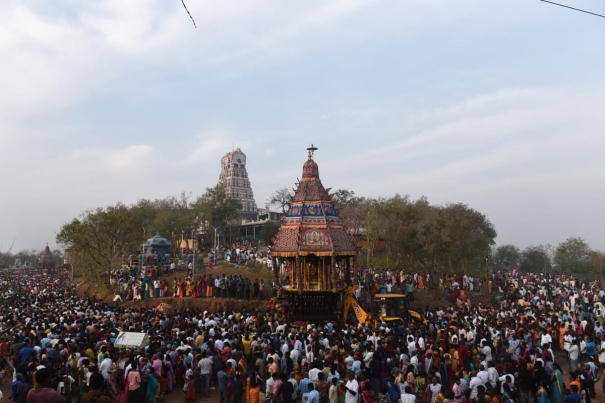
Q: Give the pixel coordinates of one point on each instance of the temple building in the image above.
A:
(234, 179)
(46, 261)
(318, 251)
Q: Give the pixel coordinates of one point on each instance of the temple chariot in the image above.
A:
(318, 251)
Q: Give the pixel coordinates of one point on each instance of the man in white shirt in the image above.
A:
(483, 375)
(218, 344)
(574, 353)
(492, 374)
(470, 335)
(546, 338)
(504, 379)
(285, 347)
(294, 355)
(349, 362)
(601, 352)
(411, 345)
(313, 374)
(351, 388)
(105, 366)
(298, 346)
(373, 339)
(421, 344)
(474, 384)
(487, 350)
(269, 386)
(408, 396)
(567, 339)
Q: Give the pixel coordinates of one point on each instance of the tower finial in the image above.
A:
(311, 150)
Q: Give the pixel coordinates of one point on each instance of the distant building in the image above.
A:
(46, 261)
(234, 179)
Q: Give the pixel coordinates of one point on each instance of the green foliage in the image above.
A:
(99, 240)
(574, 257)
(103, 238)
(597, 264)
(408, 234)
(507, 257)
(535, 259)
(170, 217)
(216, 208)
(269, 231)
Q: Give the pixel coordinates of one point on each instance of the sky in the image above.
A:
(497, 104)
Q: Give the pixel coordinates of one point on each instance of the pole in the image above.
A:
(215, 242)
(486, 274)
(193, 246)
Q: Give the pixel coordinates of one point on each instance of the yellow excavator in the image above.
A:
(391, 308)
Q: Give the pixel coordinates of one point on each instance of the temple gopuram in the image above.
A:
(318, 251)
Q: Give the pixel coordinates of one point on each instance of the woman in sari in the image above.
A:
(242, 365)
(557, 384)
(199, 286)
(368, 394)
(197, 376)
(153, 386)
(179, 371)
(145, 288)
(252, 389)
(169, 372)
(189, 290)
(112, 386)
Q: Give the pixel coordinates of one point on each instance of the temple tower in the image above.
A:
(234, 179)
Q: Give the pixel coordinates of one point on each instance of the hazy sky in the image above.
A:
(499, 104)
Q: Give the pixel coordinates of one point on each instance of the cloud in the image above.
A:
(116, 100)
(210, 147)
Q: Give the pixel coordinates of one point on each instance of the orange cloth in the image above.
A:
(252, 394)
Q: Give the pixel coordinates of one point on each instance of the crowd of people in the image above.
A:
(147, 283)
(542, 342)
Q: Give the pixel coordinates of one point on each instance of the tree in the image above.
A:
(282, 198)
(171, 217)
(597, 263)
(216, 208)
(352, 209)
(574, 256)
(269, 231)
(100, 240)
(535, 259)
(345, 198)
(507, 257)
(411, 234)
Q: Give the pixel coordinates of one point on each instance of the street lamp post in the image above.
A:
(486, 274)
(193, 247)
(215, 241)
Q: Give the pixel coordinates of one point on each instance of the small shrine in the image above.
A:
(318, 251)
(156, 250)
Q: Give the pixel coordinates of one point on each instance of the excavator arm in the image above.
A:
(350, 302)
